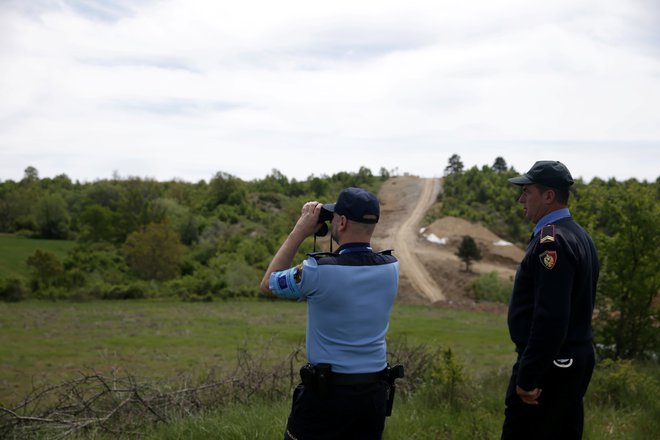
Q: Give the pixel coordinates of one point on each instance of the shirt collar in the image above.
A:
(551, 218)
(354, 247)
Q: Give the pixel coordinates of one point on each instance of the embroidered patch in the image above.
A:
(548, 259)
(548, 234)
(281, 281)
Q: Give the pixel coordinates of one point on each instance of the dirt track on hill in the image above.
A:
(431, 273)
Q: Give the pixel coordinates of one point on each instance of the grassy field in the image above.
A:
(46, 342)
(49, 342)
(15, 250)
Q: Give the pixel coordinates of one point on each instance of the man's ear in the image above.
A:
(549, 196)
(343, 222)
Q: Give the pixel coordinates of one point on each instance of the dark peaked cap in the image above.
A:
(546, 172)
(356, 204)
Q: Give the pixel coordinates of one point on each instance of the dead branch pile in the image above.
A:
(123, 405)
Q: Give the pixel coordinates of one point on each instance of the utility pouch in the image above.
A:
(323, 379)
(317, 378)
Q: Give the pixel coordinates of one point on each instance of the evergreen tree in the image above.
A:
(455, 165)
(499, 166)
(468, 251)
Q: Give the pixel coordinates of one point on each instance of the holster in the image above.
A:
(393, 373)
(317, 378)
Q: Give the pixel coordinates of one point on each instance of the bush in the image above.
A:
(490, 287)
(624, 383)
(443, 378)
(132, 291)
(12, 290)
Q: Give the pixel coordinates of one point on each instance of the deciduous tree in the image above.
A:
(154, 253)
(52, 217)
(628, 242)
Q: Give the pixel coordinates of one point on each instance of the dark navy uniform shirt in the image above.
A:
(553, 298)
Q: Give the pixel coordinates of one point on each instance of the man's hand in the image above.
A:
(308, 223)
(529, 397)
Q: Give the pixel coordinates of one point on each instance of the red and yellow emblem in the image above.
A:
(548, 259)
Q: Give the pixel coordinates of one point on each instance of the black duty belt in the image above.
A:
(358, 378)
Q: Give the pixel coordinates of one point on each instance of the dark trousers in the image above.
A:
(560, 412)
(346, 412)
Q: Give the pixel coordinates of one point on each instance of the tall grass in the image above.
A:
(475, 412)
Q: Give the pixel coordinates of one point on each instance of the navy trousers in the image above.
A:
(560, 412)
(347, 412)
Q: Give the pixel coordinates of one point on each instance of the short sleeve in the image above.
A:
(285, 283)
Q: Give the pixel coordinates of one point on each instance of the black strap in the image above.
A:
(358, 379)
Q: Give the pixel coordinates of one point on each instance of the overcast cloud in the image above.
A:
(187, 88)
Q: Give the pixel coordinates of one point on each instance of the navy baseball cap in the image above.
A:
(546, 172)
(356, 204)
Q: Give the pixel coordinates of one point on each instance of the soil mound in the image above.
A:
(431, 273)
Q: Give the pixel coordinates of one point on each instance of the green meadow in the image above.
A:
(14, 250)
(44, 343)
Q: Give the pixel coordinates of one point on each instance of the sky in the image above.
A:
(184, 89)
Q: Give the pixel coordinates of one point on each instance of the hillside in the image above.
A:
(430, 272)
(15, 250)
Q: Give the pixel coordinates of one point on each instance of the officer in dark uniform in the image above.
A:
(347, 385)
(550, 313)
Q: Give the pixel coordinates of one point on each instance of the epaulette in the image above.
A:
(547, 234)
(386, 252)
(318, 255)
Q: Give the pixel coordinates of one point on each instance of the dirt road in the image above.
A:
(431, 273)
(406, 237)
(405, 201)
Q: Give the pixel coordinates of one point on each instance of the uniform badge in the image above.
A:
(548, 259)
(548, 234)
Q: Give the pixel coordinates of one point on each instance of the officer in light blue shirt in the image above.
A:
(349, 297)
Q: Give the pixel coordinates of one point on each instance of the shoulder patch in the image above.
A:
(548, 259)
(547, 234)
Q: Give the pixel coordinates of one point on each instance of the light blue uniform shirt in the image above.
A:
(349, 299)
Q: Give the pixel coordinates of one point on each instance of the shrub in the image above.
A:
(490, 287)
(444, 377)
(132, 291)
(45, 268)
(12, 290)
(624, 384)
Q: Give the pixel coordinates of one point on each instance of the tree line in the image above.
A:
(140, 238)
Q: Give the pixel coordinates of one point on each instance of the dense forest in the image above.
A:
(141, 238)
